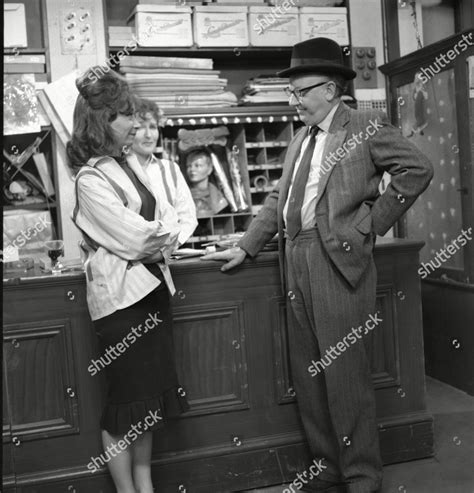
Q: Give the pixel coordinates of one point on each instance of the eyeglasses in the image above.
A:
(299, 94)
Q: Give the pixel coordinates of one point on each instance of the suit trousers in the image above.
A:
(336, 398)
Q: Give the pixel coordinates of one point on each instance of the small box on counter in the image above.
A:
(327, 22)
(216, 26)
(162, 25)
(268, 28)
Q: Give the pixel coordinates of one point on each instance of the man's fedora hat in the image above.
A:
(318, 55)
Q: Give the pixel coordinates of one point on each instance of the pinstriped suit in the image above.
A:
(331, 275)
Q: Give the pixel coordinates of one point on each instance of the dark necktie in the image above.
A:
(293, 214)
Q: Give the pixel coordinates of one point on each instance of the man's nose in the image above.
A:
(293, 101)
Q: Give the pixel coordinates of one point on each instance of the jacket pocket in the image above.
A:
(363, 220)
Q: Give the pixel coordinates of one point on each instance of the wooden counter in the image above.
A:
(242, 430)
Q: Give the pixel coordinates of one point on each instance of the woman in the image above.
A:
(165, 175)
(129, 233)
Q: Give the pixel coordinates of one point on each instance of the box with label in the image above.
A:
(14, 25)
(325, 22)
(162, 25)
(274, 26)
(216, 26)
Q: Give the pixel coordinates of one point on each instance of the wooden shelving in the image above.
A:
(247, 52)
(261, 135)
(31, 206)
(17, 143)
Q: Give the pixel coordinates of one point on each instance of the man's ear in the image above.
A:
(331, 91)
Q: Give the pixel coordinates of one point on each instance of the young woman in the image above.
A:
(129, 232)
(164, 174)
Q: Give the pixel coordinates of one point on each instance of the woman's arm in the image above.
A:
(104, 217)
(185, 207)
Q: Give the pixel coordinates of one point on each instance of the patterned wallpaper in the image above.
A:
(427, 112)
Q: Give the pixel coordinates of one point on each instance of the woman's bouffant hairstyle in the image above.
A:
(144, 106)
(101, 99)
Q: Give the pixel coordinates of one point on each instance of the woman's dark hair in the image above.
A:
(144, 106)
(103, 95)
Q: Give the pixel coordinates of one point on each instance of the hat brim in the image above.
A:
(346, 72)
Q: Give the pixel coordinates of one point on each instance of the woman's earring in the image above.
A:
(125, 150)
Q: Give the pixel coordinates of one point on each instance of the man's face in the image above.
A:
(316, 103)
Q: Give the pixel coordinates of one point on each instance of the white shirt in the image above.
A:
(308, 209)
(169, 183)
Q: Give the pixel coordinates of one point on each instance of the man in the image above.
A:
(327, 211)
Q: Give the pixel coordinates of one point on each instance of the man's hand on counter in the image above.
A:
(234, 255)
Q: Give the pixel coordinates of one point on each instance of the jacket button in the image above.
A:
(346, 246)
(291, 295)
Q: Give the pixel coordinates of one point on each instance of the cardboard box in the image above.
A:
(162, 25)
(14, 25)
(216, 26)
(329, 22)
(273, 26)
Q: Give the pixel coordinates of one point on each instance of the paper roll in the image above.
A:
(223, 182)
(260, 181)
(236, 178)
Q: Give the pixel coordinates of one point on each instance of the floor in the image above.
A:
(451, 470)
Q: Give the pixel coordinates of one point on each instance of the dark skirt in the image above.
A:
(140, 365)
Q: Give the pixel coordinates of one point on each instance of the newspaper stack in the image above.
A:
(177, 82)
(265, 90)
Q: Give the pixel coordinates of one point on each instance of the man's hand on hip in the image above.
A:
(235, 257)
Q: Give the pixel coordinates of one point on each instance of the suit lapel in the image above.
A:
(334, 141)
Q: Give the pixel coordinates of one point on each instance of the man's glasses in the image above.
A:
(299, 94)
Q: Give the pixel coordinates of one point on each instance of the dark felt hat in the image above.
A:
(318, 55)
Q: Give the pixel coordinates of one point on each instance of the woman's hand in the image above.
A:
(234, 255)
(151, 259)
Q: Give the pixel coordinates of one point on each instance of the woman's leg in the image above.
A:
(120, 466)
(141, 462)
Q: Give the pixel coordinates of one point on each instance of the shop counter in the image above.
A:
(242, 430)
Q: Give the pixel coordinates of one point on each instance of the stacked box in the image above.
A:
(328, 22)
(216, 26)
(273, 26)
(162, 25)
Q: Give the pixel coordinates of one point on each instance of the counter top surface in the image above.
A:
(36, 275)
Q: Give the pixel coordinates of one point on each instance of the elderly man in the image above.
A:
(327, 211)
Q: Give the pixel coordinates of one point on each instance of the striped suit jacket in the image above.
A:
(349, 209)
